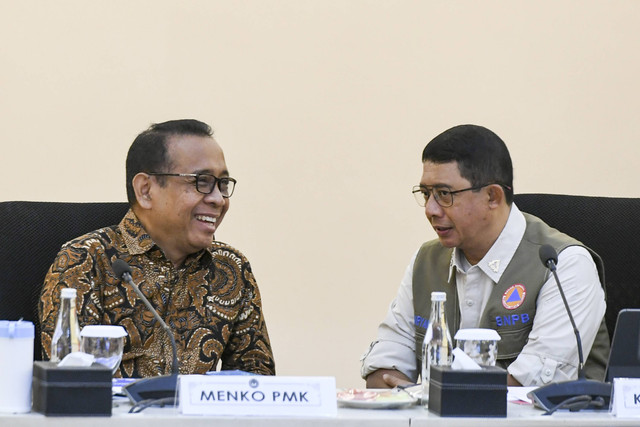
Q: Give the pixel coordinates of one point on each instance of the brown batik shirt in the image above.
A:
(211, 303)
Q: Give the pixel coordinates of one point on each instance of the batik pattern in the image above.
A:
(211, 303)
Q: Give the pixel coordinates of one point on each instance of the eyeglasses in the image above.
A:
(205, 183)
(443, 194)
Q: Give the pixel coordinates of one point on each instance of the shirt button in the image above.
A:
(469, 303)
(547, 372)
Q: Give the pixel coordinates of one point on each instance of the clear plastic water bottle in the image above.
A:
(437, 348)
(66, 337)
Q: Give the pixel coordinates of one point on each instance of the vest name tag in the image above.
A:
(512, 319)
(257, 395)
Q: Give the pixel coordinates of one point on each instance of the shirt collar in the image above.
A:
(135, 236)
(496, 260)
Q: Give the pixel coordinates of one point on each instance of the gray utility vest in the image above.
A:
(431, 271)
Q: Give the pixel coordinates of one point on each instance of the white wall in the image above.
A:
(322, 108)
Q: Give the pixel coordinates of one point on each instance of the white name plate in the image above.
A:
(626, 397)
(257, 395)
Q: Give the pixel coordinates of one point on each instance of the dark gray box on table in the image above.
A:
(468, 393)
(71, 391)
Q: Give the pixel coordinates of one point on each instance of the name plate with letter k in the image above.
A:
(626, 397)
(257, 395)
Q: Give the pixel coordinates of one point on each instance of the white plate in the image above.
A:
(374, 398)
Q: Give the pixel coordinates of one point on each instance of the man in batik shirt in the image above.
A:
(178, 188)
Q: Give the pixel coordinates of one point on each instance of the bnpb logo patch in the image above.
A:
(514, 296)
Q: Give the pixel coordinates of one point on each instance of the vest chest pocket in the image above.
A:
(512, 317)
(514, 332)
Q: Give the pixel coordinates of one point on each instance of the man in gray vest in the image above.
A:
(486, 259)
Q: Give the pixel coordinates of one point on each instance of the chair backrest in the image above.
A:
(609, 226)
(31, 234)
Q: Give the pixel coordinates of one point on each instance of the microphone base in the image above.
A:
(584, 394)
(154, 388)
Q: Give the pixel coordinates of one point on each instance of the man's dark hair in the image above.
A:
(482, 157)
(149, 153)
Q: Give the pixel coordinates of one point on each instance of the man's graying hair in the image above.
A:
(148, 152)
(482, 157)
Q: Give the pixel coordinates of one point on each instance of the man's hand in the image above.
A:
(512, 381)
(387, 378)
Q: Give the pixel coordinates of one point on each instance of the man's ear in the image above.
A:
(496, 195)
(142, 187)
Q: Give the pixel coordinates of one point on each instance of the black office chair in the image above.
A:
(31, 235)
(608, 226)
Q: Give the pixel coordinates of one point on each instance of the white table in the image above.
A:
(517, 415)
(524, 416)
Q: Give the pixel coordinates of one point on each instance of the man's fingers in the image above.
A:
(394, 381)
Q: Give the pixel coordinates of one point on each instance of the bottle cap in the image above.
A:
(438, 296)
(68, 293)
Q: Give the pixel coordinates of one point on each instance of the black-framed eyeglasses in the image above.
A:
(443, 194)
(205, 182)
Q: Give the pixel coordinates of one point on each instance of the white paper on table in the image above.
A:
(519, 394)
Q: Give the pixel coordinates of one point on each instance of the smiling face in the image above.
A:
(178, 218)
(469, 223)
